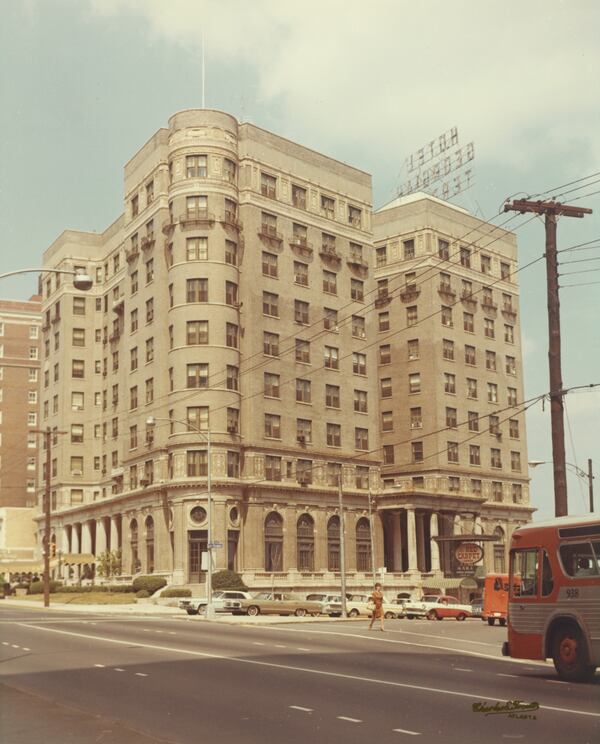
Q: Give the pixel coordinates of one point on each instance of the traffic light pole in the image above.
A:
(47, 518)
(551, 210)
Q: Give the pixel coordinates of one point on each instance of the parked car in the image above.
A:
(331, 604)
(437, 607)
(223, 601)
(358, 605)
(278, 603)
(477, 607)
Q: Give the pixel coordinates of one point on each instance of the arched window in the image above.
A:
(333, 544)
(306, 543)
(133, 542)
(499, 551)
(363, 545)
(149, 524)
(273, 542)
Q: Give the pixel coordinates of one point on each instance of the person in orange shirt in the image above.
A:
(377, 601)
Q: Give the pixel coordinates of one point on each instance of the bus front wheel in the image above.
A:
(569, 655)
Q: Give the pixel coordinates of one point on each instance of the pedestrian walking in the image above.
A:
(377, 604)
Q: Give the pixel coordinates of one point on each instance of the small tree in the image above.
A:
(109, 564)
(228, 580)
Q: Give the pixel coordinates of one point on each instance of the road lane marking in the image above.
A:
(118, 669)
(257, 643)
(557, 682)
(445, 638)
(100, 666)
(304, 670)
(350, 720)
(4, 643)
(406, 731)
(13, 645)
(461, 669)
(278, 645)
(140, 674)
(507, 675)
(301, 648)
(299, 707)
(26, 649)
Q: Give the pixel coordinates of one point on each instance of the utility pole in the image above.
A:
(342, 546)
(371, 536)
(551, 210)
(591, 485)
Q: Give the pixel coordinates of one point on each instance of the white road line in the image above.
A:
(299, 707)
(445, 638)
(26, 649)
(159, 631)
(278, 645)
(301, 648)
(4, 643)
(140, 674)
(172, 632)
(304, 670)
(257, 643)
(118, 669)
(350, 720)
(557, 682)
(406, 731)
(460, 669)
(13, 645)
(100, 666)
(507, 675)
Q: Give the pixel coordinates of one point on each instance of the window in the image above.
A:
(504, 270)
(134, 282)
(488, 328)
(471, 388)
(490, 361)
(149, 390)
(452, 451)
(474, 454)
(196, 166)
(149, 271)
(233, 377)
(149, 350)
(328, 206)
(271, 344)
(332, 396)
(465, 257)
(408, 247)
(268, 185)
(384, 322)
(231, 253)
(387, 421)
(78, 336)
(388, 454)
(443, 249)
(361, 438)
(417, 451)
(77, 433)
(330, 319)
(231, 294)
(495, 458)
(334, 435)
(473, 418)
(196, 332)
(271, 385)
(233, 420)
(381, 256)
(412, 315)
(354, 216)
(269, 264)
(270, 304)
(329, 282)
(78, 306)
(304, 471)
(331, 357)
(357, 290)
(446, 316)
(413, 349)
(448, 349)
(517, 493)
(486, 264)
(77, 401)
(492, 392)
(469, 322)
(487, 300)
(515, 462)
(360, 401)
(509, 334)
(298, 197)
(133, 359)
(358, 327)
(449, 383)
(133, 397)
(272, 468)
(470, 355)
(76, 465)
(359, 363)
(385, 387)
(301, 310)
(272, 426)
(494, 425)
(196, 290)
(197, 463)
(512, 396)
(231, 335)
(385, 354)
(414, 382)
(303, 391)
(513, 428)
(77, 368)
(134, 321)
(511, 366)
(196, 249)
(453, 484)
(451, 418)
(302, 351)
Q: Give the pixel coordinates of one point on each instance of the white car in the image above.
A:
(357, 605)
(331, 604)
(437, 607)
(223, 601)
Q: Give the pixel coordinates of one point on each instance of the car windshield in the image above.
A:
(263, 595)
(315, 597)
(218, 595)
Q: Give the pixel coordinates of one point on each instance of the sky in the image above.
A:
(84, 83)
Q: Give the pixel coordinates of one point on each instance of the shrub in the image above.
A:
(176, 592)
(37, 587)
(228, 580)
(149, 583)
(21, 585)
(142, 594)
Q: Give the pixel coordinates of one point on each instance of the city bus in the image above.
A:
(554, 595)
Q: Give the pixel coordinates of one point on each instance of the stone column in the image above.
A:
(252, 537)
(435, 550)
(412, 539)
(114, 533)
(219, 534)
(162, 542)
(126, 566)
(86, 537)
(64, 547)
(180, 534)
(320, 518)
(350, 522)
(397, 542)
(290, 559)
(378, 541)
(420, 541)
(101, 537)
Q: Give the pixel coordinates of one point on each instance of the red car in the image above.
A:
(448, 607)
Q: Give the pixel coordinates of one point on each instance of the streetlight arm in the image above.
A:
(82, 280)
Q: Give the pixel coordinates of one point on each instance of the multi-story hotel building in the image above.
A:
(20, 341)
(450, 384)
(235, 301)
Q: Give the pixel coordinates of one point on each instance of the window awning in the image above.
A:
(441, 583)
(77, 559)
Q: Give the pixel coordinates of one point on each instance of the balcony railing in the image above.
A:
(488, 304)
(131, 254)
(231, 219)
(329, 253)
(147, 242)
(269, 232)
(301, 245)
(445, 288)
(357, 262)
(195, 217)
(168, 226)
(383, 297)
(410, 293)
(468, 297)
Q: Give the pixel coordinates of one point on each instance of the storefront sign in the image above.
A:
(468, 553)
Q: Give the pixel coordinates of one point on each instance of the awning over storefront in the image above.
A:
(21, 567)
(77, 559)
(441, 583)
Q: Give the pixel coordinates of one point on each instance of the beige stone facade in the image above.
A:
(235, 299)
(20, 353)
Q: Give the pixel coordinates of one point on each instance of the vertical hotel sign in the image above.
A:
(442, 167)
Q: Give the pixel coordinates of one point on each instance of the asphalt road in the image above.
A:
(114, 680)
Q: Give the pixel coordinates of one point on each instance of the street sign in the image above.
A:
(215, 544)
(468, 553)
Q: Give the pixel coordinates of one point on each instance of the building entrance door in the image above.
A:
(197, 545)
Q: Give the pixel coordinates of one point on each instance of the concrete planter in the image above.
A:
(20, 592)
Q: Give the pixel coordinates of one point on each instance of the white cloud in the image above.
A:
(397, 73)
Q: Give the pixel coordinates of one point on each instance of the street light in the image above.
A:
(81, 281)
(589, 476)
(151, 421)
